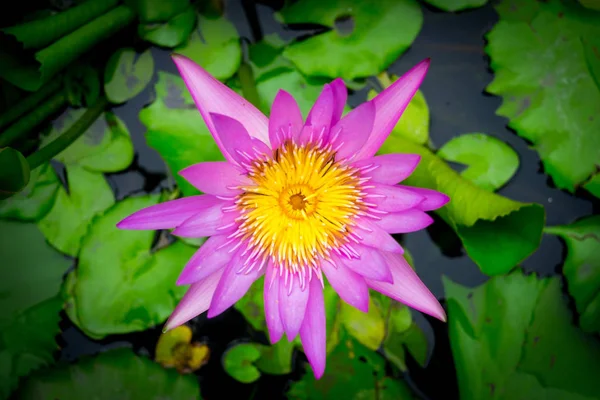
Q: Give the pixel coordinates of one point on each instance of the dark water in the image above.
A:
(454, 89)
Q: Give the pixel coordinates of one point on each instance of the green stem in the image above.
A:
(24, 125)
(248, 85)
(28, 103)
(47, 152)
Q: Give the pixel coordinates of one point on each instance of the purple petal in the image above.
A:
(351, 133)
(211, 256)
(408, 288)
(350, 286)
(390, 168)
(286, 119)
(208, 222)
(313, 330)
(195, 301)
(292, 305)
(220, 178)
(371, 264)
(433, 199)
(233, 284)
(236, 140)
(393, 198)
(340, 95)
(374, 236)
(169, 214)
(405, 221)
(271, 299)
(211, 96)
(320, 115)
(389, 106)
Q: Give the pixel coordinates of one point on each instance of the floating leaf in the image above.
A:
(114, 375)
(157, 10)
(171, 33)
(582, 268)
(512, 338)
(266, 59)
(367, 328)
(127, 74)
(275, 359)
(591, 4)
(496, 232)
(14, 172)
(456, 5)
(593, 185)
(491, 161)
(175, 349)
(542, 74)
(238, 362)
(68, 220)
(120, 285)
(176, 129)
(215, 45)
(367, 50)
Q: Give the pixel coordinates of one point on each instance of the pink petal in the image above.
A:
(351, 133)
(220, 178)
(313, 330)
(169, 214)
(195, 301)
(292, 305)
(340, 95)
(389, 106)
(408, 288)
(350, 286)
(390, 169)
(393, 198)
(374, 236)
(405, 221)
(211, 96)
(286, 119)
(236, 141)
(371, 264)
(433, 199)
(211, 256)
(271, 299)
(208, 222)
(233, 284)
(321, 113)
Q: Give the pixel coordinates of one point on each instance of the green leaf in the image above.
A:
(276, 359)
(127, 74)
(114, 375)
(215, 45)
(14, 172)
(120, 285)
(252, 306)
(368, 328)
(157, 10)
(68, 220)
(593, 185)
(491, 161)
(549, 94)
(82, 84)
(36, 199)
(238, 362)
(496, 232)
(171, 33)
(582, 268)
(266, 59)
(105, 147)
(456, 5)
(512, 338)
(176, 129)
(371, 46)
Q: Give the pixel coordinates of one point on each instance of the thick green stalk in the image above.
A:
(248, 85)
(28, 103)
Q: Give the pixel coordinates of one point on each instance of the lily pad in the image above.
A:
(68, 220)
(582, 268)
(127, 74)
(368, 328)
(512, 338)
(176, 129)
(293, 82)
(456, 5)
(496, 232)
(120, 285)
(382, 31)
(114, 375)
(238, 362)
(14, 172)
(491, 162)
(275, 359)
(593, 185)
(157, 10)
(171, 33)
(543, 74)
(175, 349)
(266, 58)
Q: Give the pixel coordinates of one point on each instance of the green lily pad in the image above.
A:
(68, 220)
(36, 199)
(496, 232)
(215, 45)
(127, 74)
(114, 375)
(276, 359)
(266, 58)
(14, 172)
(120, 285)
(368, 328)
(171, 33)
(582, 268)
(456, 5)
(238, 362)
(176, 129)
(593, 185)
(512, 338)
(545, 80)
(105, 147)
(382, 31)
(491, 162)
(157, 10)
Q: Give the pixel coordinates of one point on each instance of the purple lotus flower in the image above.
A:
(295, 200)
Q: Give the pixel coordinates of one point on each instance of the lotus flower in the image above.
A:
(295, 200)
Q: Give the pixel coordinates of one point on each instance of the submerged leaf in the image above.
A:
(127, 74)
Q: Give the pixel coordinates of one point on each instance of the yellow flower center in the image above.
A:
(300, 207)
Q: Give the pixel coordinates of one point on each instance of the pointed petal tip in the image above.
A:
(318, 369)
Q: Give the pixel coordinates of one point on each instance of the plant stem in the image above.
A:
(28, 103)
(24, 125)
(248, 85)
(53, 148)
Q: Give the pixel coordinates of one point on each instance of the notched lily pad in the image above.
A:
(127, 74)
(238, 362)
